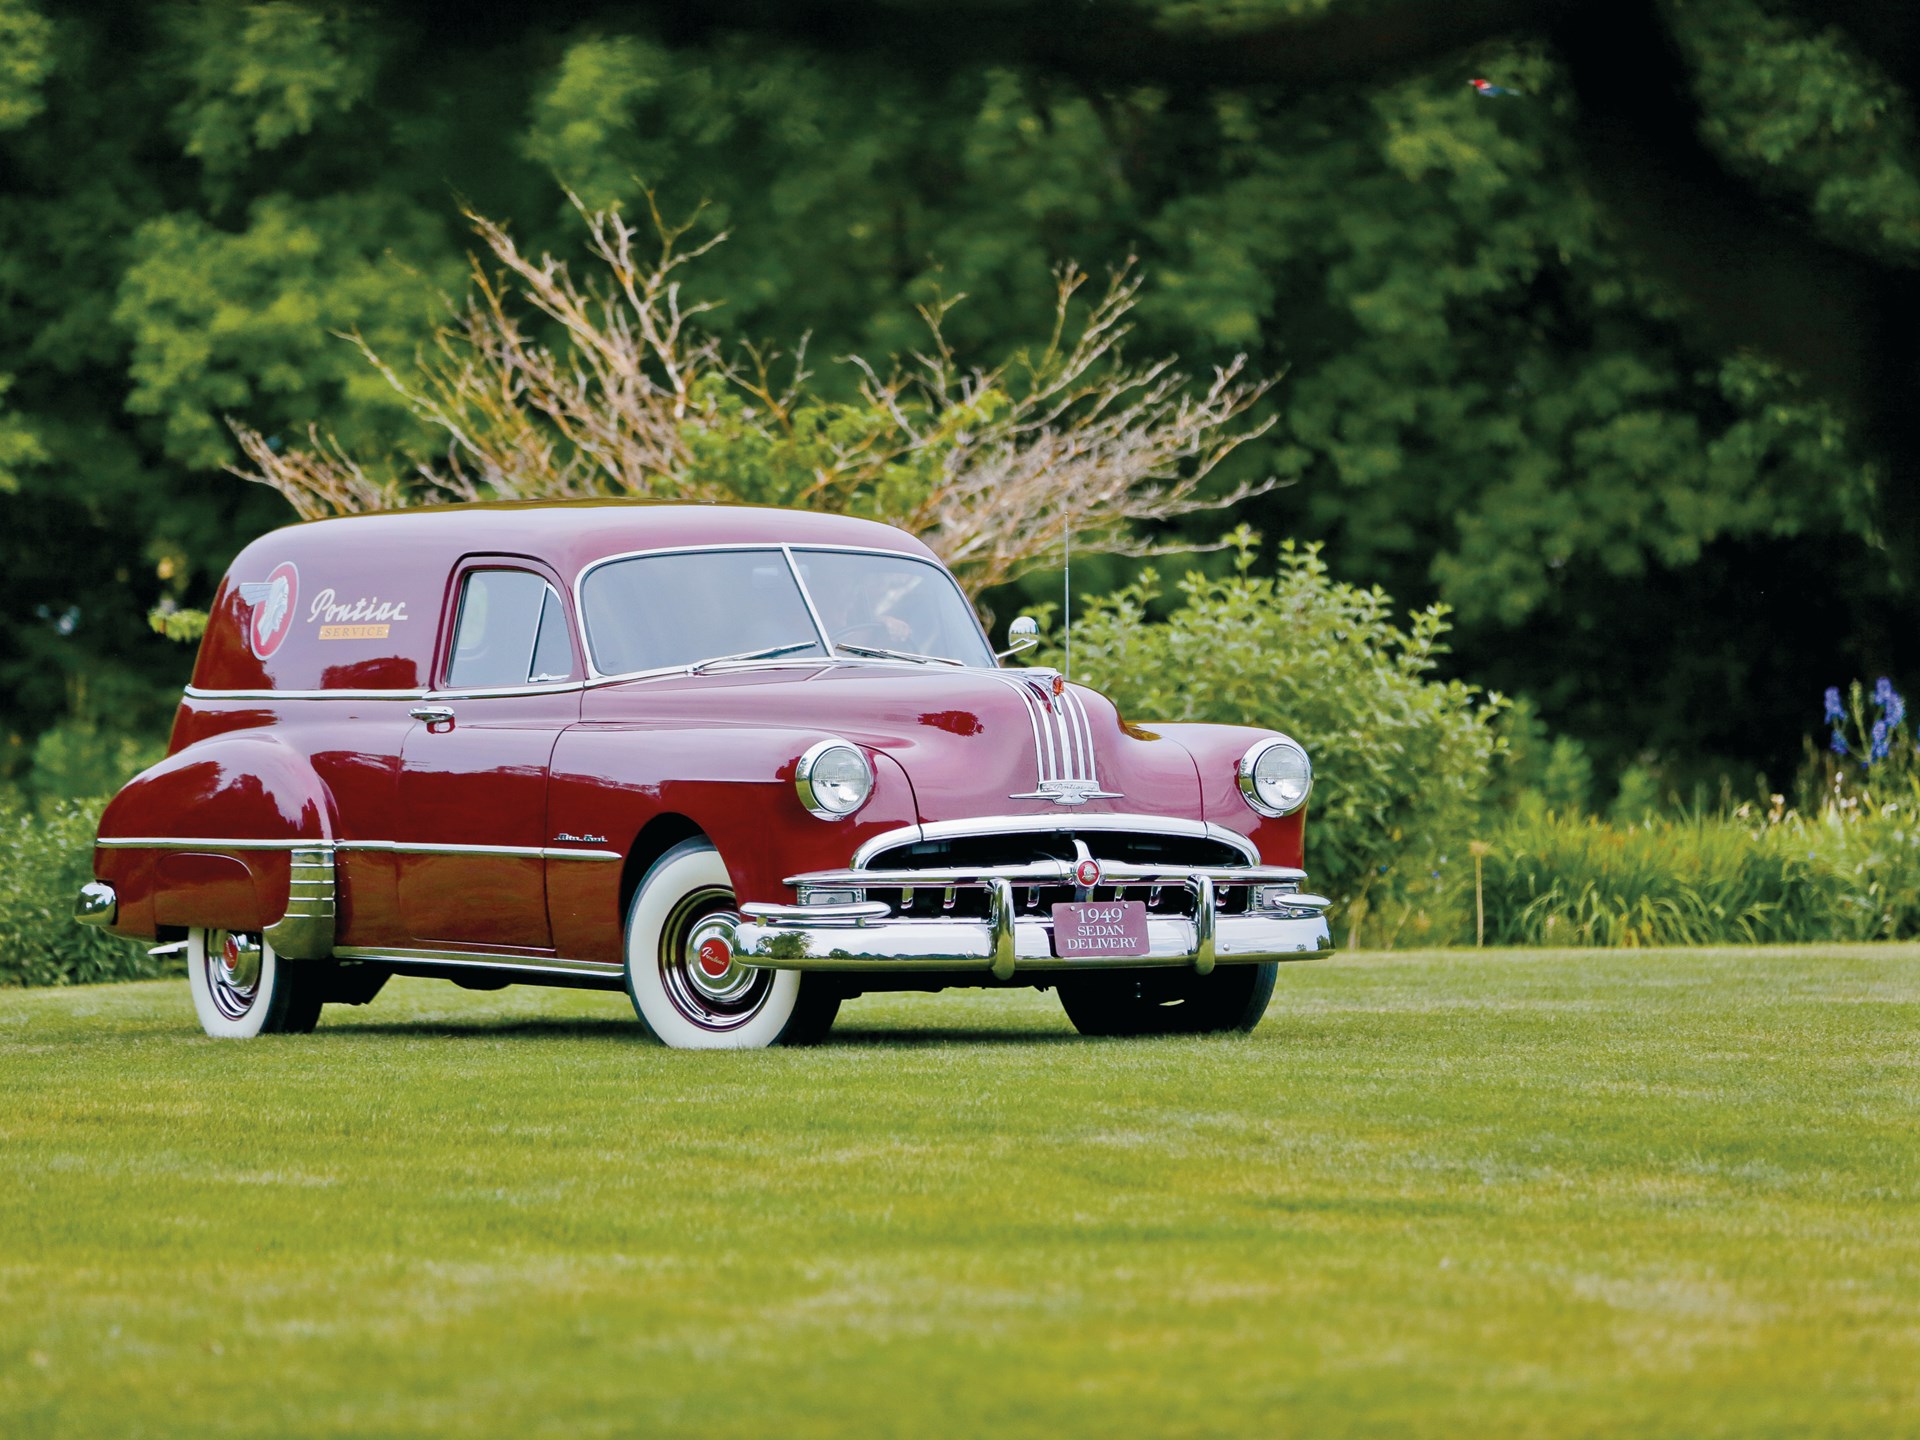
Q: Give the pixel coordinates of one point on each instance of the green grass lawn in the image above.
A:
(1667, 1193)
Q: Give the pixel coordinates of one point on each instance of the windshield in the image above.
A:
(659, 612)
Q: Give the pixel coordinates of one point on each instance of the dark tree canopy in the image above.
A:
(1619, 364)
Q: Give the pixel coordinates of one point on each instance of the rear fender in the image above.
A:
(232, 832)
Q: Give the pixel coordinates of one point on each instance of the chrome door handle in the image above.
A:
(432, 714)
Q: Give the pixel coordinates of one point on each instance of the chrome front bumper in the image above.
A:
(867, 935)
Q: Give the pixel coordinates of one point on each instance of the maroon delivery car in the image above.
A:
(741, 763)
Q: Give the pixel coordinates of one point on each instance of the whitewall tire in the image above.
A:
(241, 988)
(689, 989)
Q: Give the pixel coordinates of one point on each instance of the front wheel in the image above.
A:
(687, 986)
(242, 988)
(1145, 1002)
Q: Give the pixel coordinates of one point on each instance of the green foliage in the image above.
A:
(1557, 881)
(259, 75)
(1803, 114)
(1486, 402)
(77, 760)
(45, 857)
(1538, 769)
(183, 625)
(26, 55)
(1401, 759)
(246, 321)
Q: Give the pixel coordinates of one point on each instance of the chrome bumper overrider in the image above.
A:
(867, 935)
(97, 905)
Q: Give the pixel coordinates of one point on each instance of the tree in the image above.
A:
(633, 397)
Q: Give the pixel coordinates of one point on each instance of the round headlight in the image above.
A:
(1275, 776)
(833, 779)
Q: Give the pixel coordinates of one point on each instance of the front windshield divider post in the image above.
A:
(806, 597)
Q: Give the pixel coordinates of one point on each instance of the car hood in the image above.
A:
(972, 742)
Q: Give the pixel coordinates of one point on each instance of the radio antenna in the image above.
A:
(1066, 585)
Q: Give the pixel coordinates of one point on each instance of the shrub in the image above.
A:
(1400, 759)
(45, 857)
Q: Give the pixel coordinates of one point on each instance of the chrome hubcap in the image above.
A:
(698, 967)
(233, 971)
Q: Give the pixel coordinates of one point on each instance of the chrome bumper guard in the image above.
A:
(97, 905)
(867, 935)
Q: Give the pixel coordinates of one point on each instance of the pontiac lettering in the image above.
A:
(361, 611)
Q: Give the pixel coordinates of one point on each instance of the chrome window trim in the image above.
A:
(595, 675)
(999, 824)
(482, 692)
(391, 847)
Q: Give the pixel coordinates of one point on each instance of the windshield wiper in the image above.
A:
(875, 652)
(699, 666)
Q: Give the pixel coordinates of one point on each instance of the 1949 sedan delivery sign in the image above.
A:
(741, 763)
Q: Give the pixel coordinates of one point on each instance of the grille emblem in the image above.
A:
(1086, 874)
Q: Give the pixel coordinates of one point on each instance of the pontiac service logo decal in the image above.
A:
(272, 600)
(366, 618)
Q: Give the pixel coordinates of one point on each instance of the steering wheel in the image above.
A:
(889, 632)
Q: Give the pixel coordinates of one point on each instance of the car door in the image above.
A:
(472, 813)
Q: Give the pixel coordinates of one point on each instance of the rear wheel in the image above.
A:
(688, 987)
(242, 988)
(1146, 1002)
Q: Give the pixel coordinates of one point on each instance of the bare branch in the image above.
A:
(547, 386)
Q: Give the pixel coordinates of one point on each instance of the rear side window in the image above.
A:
(512, 630)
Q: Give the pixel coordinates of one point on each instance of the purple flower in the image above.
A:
(1879, 749)
(1882, 688)
(1834, 712)
(1896, 707)
(1839, 744)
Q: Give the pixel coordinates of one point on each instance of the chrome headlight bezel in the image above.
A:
(1249, 775)
(819, 798)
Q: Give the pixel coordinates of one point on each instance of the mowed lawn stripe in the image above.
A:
(1522, 1193)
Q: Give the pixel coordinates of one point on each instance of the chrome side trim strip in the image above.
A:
(403, 847)
(529, 852)
(501, 692)
(481, 960)
(194, 692)
(206, 842)
(998, 824)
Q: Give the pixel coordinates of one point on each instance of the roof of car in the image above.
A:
(357, 599)
(572, 533)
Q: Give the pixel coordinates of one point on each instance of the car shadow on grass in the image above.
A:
(627, 1032)
(570, 1027)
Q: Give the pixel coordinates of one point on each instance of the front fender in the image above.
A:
(1216, 751)
(734, 783)
(210, 837)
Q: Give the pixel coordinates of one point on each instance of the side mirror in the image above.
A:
(1022, 634)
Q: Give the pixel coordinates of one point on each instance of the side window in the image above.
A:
(512, 630)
